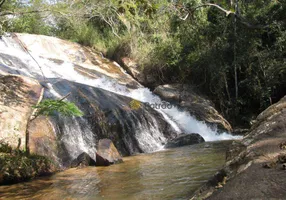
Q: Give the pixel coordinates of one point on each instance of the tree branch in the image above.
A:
(4, 13)
(65, 96)
(33, 115)
(184, 18)
(2, 2)
(227, 13)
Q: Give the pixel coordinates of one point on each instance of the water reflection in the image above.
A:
(169, 174)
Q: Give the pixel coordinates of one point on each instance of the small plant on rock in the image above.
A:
(50, 107)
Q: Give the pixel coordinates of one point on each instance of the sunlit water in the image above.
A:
(170, 174)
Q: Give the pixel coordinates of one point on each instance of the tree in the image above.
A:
(49, 107)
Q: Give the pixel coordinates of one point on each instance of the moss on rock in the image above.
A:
(17, 166)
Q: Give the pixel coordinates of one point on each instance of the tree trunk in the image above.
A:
(235, 80)
(226, 87)
(234, 52)
(27, 146)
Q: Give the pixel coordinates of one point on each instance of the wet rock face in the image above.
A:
(198, 106)
(185, 139)
(107, 115)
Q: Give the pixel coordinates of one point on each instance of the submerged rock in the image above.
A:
(185, 139)
(108, 152)
(83, 160)
(197, 105)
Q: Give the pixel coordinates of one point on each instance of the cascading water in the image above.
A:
(14, 59)
(75, 134)
(174, 116)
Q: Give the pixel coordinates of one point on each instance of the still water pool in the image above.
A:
(169, 174)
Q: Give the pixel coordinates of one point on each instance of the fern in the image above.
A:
(50, 107)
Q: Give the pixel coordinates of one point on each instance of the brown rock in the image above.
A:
(43, 140)
(106, 151)
(247, 178)
(185, 139)
(197, 105)
(282, 145)
(131, 67)
(17, 96)
(284, 166)
(83, 160)
(100, 161)
(269, 165)
(282, 158)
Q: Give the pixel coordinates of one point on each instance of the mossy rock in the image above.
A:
(16, 167)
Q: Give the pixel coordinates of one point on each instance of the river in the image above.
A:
(167, 174)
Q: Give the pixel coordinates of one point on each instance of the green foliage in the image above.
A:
(32, 22)
(50, 107)
(18, 166)
(29, 24)
(5, 147)
(202, 50)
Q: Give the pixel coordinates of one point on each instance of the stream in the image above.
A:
(167, 174)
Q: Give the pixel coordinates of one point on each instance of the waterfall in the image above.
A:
(180, 120)
(77, 134)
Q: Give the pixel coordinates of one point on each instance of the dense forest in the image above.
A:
(233, 51)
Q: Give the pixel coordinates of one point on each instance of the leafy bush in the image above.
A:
(5, 147)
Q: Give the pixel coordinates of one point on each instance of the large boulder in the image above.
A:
(17, 96)
(143, 76)
(83, 160)
(185, 139)
(131, 67)
(108, 152)
(106, 155)
(43, 140)
(197, 105)
(257, 161)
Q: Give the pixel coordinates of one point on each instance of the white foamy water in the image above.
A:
(76, 132)
(181, 121)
